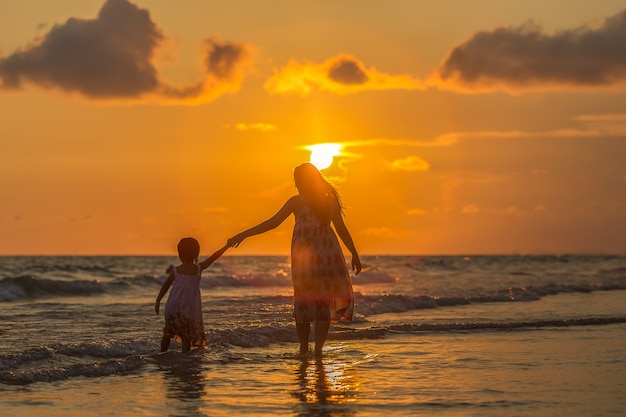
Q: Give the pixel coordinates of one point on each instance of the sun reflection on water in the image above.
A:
(327, 385)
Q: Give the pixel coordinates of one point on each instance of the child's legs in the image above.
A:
(303, 330)
(165, 343)
(321, 331)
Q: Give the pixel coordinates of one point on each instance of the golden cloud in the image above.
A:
(343, 74)
(261, 127)
(410, 163)
(470, 209)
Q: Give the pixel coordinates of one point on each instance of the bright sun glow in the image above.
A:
(322, 154)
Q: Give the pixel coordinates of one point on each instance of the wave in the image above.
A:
(373, 275)
(95, 369)
(536, 324)
(264, 336)
(30, 287)
(103, 358)
(64, 361)
(59, 361)
(616, 270)
(96, 349)
(247, 280)
(371, 305)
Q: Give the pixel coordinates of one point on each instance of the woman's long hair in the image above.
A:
(317, 192)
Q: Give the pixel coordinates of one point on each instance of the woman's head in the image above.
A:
(314, 188)
(188, 249)
(309, 180)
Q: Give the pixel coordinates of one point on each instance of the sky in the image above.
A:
(483, 127)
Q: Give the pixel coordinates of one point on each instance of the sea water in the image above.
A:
(445, 335)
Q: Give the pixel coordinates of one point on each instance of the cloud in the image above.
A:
(470, 209)
(261, 127)
(526, 58)
(111, 57)
(385, 232)
(223, 59)
(343, 74)
(603, 118)
(512, 211)
(214, 209)
(106, 57)
(456, 180)
(539, 171)
(436, 142)
(592, 126)
(410, 163)
(226, 65)
(416, 212)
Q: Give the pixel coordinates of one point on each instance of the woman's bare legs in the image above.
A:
(321, 331)
(303, 330)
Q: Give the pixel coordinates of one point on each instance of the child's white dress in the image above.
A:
(183, 310)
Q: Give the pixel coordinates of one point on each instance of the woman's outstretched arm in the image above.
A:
(268, 224)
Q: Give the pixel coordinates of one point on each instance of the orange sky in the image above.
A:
(466, 127)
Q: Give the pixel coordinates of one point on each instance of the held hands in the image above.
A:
(234, 241)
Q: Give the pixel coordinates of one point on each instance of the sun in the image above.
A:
(322, 154)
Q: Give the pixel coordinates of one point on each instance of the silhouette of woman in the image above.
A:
(321, 281)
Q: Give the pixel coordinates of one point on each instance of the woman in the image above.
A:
(321, 281)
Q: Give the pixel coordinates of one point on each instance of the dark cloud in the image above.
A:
(112, 57)
(525, 57)
(109, 56)
(224, 58)
(347, 71)
(225, 65)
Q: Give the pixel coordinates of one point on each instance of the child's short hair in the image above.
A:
(188, 249)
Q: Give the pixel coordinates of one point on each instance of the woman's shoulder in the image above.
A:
(295, 204)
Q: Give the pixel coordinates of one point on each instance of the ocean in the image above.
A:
(433, 335)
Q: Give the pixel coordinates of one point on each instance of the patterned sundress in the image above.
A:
(183, 310)
(321, 281)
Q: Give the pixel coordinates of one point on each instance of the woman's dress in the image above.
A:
(321, 281)
(183, 310)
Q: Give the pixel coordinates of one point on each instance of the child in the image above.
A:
(183, 309)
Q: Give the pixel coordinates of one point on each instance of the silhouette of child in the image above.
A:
(183, 309)
(321, 281)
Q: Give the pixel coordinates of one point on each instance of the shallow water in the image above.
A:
(547, 372)
(496, 336)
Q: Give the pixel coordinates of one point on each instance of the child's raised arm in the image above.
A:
(207, 262)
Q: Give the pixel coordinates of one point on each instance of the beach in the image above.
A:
(433, 335)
